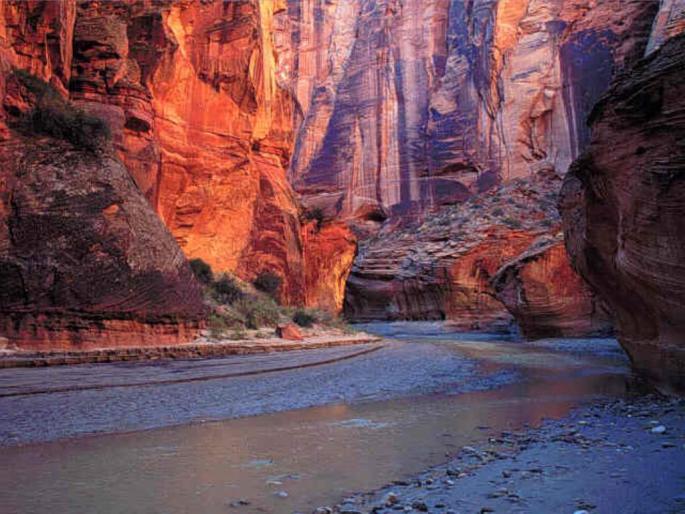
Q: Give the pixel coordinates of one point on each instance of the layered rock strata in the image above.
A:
(190, 90)
(442, 268)
(624, 210)
(191, 93)
(329, 252)
(547, 297)
(84, 260)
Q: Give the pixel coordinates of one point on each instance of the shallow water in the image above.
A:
(315, 455)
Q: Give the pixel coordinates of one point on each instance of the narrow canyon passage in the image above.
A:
(342, 256)
(315, 434)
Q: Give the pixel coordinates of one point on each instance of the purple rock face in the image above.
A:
(412, 103)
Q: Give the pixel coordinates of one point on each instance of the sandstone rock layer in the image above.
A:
(624, 214)
(329, 253)
(547, 297)
(441, 268)
(84, 260)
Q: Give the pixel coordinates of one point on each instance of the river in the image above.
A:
(283, 440)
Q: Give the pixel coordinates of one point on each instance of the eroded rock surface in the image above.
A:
(84, 260)
(410, 105)
(624, 214)
(442, 268)
(547, 297)
(329, 252)
(192, 95)
(190, 89)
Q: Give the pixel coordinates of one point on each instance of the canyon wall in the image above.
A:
(408, 105)
(84, 260)
(198, 120)
(190, 90)
(441, 268)
(490, 106)
(546, 296)
(191, 93)
(624, 214)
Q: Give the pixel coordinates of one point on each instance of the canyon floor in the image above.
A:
(454, 422)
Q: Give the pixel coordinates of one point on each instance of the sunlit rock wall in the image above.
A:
(191, 90)
(200, 115)
(413, 104)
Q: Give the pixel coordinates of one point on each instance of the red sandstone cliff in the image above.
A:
(547, 297)
(191, 93)
(493, 92)
(442, 268)
(394, 112)
(624, 214)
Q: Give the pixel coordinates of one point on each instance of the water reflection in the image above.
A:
(315, 455)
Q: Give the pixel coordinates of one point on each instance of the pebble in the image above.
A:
(420, 506)
(349, 510)
(390, 499)
(659, 430)
(239, 503)
(581, 512)
(281, 494)
(323, 510)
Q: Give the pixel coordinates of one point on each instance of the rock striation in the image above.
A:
(624, 215)
(329, 252)
(442, 268)
(410, 105)
(192, 94)
(547, 297)
(84, 260)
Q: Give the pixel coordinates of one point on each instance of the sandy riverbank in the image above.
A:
(621, 456)
(201, 348)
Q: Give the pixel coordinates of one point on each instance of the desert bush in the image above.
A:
(54, 116)
(268, 282)
(238, 335)
(226, 290)
(217, 326)
(202, 271)
(304, 318)
(258, 312)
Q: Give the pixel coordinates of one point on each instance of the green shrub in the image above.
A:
(258, 312)
(227, 290)
(238, 335)
(304, 318)
(217, 326)
(54, 116)
(202, 271)
(268, 282)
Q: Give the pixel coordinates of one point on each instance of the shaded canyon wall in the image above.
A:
(410, 105)
(500, 92)
(624, 210)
